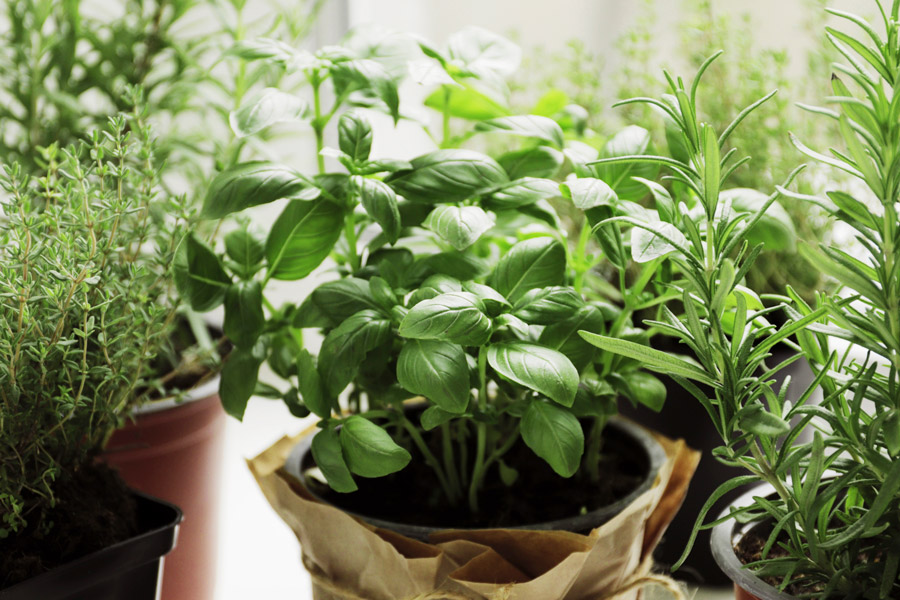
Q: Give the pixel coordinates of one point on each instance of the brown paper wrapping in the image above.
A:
(351, 560)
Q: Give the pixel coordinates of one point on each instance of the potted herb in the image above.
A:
(81, 307)
(825, 525)
(456, 289)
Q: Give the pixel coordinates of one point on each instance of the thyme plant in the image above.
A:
(84, 254)
(454, 280)
(832, 514)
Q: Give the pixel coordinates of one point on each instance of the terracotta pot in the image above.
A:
(173, 450)
(129, 570)
(725, 536)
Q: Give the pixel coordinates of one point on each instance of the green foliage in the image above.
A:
(834, 500)
(84, 255)
(454, 282)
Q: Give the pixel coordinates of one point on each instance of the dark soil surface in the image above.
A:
(414, 497)
(94, 510)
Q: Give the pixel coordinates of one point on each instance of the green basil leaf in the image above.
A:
(554, 434)
(345, 347)
(447, 176)
(646, 245)
(563, 335)
(380, 202)
(341, 299)
(483, 51)
(355, 136)
(631, 141)
(239, 376)
(589, 192)
(456, 317)
(302, 237)
(665, 205)
(547, 305)
(541, 369)
(369, 450)
(461, 226)
(199, 276)
(541, 161)
(435, 416)
(534, 126)
(246, 250)
(551, 103)
(244, 318)
(465, 102)
(533, 263)
(460, 265)
(370, 77)
(436, 370)
(266, 108)
(251, 184)
(521, 192)
(494, 302)
(310, 385)
(329, 457)
(644, 388)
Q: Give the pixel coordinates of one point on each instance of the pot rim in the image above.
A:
(655, 453)
(722, 541)
(206, 389)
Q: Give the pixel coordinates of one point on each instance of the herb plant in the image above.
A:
(455, 282)
(833, 509)
(84, 251)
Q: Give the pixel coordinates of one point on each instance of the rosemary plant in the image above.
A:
(84, 249)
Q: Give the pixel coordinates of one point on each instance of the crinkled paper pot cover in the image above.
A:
(350, 560)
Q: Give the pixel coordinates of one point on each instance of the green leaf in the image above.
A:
(589, 192)
(340, 299)
(461, 226)
(199, 276)
(435, 416)
(251, 184)
(326, 450)
(541, 369)
(644, 388)
(544, 306)
(266, 108)
(563, 335)
(310, 385)
(381, 204)
(521, 192)
(551, 103)
(533, 263)
(355, 136)
(368, 76)
(239, 376)
(665, 205)
(891, 431)
(494, 302)
(456, 317)
(369, 450)
(554, 434)
(246, 250)
(711, 168)
(649, 357)
(436, 370)
(447, 176)
(461, 265)
(302, 237)
(244, 318)
(534, 126)
(465, 102)
(540, 161)
(345, 347)
(646, 245)
(775, 228)
(631, 141)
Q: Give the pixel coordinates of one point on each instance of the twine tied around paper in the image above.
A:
(641, 578)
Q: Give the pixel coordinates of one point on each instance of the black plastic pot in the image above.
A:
(723, 539)
(684, 417)
(129, 570)
(301, 460)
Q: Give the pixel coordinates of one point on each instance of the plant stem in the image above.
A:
(350, 234)
(317, 123)
(430, 459)
(581, 265)
(446, 118)
(450, 461)
(478, 471)
(595, 444)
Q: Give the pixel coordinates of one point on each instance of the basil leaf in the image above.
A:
(465, 102)
(246, 250)
(631, 141)
(355, 136)
(345, 347)
(310, 385)
(369, 450)
(541, 369)
(329, 457)
(340, 299)
(199, 276)
(563, 335)
(456, 317)
(239, 376)
(541, 161)
(589, 192)
(461, 226)
(447, 176)
(529, 264)
(266, 108)
(302, 237)
(521, 192)
(646, 245)
(244, 318)
(544, 306)
(437, 370)
(380, 202)
(534, 126)
(251, 184)
(554, 434)
(775, 228)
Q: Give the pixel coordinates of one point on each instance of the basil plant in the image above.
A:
(453, 280)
